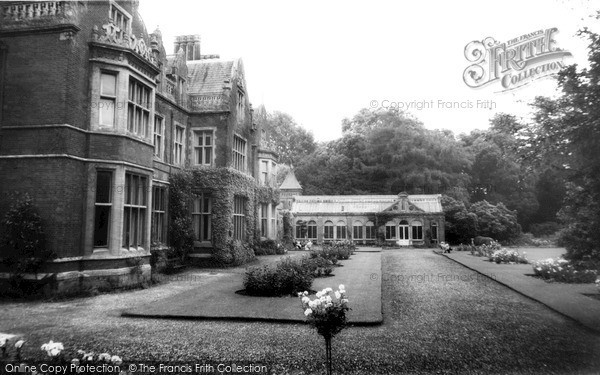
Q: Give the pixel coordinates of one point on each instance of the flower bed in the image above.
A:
(508, 256)
(562, 270)
(484, 250)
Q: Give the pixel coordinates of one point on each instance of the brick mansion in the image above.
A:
(96, 117)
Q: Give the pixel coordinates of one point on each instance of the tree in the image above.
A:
(461, 225)
(496, 221)
(292, 142)
(566, 134)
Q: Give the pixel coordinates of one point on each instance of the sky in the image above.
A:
(323, 61)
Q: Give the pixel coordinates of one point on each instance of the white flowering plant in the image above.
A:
(327, 312)
(508, 256)
(53, 349)
(562, 270)
(598, 284)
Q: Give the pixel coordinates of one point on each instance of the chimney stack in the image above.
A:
(190, 45)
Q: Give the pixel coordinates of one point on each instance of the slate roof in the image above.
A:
(361, 203)
(290, 182)
(209, 84)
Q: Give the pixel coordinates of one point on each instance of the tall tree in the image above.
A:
(566, 132)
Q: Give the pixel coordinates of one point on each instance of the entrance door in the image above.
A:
(403, 238)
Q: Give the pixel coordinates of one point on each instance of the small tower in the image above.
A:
(289, 188)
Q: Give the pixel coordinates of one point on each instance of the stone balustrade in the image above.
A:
(32, 10)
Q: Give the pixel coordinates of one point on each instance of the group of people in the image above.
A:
(303, 245)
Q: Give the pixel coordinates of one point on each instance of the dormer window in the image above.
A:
(120, 18)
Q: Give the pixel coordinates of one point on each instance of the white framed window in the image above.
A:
(204, 143)
(273, 172)
(417, 230)
(102, 208)
(264, 220)
(264, 171)
(328, 230)
(239, 218)
(390, 231)
(202, 217)
(357, 230)
(370, 231)
(340, 230)
(311, 230)
(138, 108)
(120, 18)
(273, 221)
(159, 136)
(159, 214)
(178, 145)
(134, 210)
(108, 98)
(239, 153)
(300, 225)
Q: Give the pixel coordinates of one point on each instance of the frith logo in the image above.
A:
(514, 63)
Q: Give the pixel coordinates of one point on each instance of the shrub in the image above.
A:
(318, 266)
(544, 229)
(485, 250)
(269, 247)
(288, 276)
(564, 271)
(507, 256)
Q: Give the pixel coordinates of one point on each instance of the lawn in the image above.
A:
(469, 324)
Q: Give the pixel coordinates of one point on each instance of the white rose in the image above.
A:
(341, 287)
(307, 312)
(19, 344)
(305, 300)
(116, 360)
(54, 352)
(3, 342)
(338, 295)
(328, 290)
(319, 294)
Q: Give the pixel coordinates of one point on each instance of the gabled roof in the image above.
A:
(290, 182)
(361, 203)
(210, 82)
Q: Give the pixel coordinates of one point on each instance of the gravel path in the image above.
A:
(439, 317)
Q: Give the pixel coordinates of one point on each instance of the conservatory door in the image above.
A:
(403, 238)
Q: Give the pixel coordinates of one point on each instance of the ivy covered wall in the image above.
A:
(222, 184)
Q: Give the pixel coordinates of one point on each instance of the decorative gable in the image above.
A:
(403, 204)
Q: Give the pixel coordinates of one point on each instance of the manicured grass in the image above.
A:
(439, 317)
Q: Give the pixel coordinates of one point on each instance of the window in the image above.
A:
(119, 18)
(239, 153)
(390, 231)
(328, 231)
(273, 221)
(240, 105)
(239, 218)
(300, 229)
(103, 206)
(134, 212)
(159, 134)
(312, 230)
(159, 210)
(178, 145)
(264, 171)
(417, 230)
(201, 217)
(273, 172)
(340, 230)
(203, 147)
(264, 220)
(138, 109)
(370, 230)
(108, 97)
(434, 232)
(357, 230)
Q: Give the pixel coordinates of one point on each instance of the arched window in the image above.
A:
(300, 229)
(434, 231)
(390, 230)
(357, 230)
(417, 230)
(328, 230)
(340, 230)
(370, 231)
(312, 230)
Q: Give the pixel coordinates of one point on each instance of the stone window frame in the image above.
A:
(108, 97)
(132, 203)
(202, 208)
(203, 147)
(179, 145)
(158, 231)
(354, 230)
(160, 155)
(239, 152)
(116, 9)
(110, 204)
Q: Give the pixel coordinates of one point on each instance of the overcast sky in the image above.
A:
(322, 61)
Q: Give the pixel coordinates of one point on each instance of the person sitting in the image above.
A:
(445, 247)
(308, 245)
